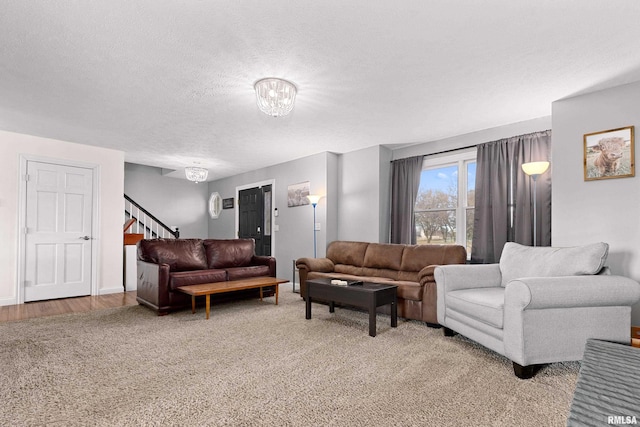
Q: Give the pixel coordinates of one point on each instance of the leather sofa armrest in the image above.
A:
(426, 275)
(323, 265)
(153, 283)
(269, 261)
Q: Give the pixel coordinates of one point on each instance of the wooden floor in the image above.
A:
(31, 310)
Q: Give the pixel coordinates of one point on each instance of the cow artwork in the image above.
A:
(611, 151)
(609, 154)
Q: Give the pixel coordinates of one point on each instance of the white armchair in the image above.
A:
(538, 305)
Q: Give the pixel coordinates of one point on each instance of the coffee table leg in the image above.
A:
(308, 307)
(332, 307)
(260, 293)
(193, 304)
(372, 321)
(277, 294)
(394, 313)
(208, 305)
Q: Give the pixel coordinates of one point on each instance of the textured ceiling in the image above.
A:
(170, 82)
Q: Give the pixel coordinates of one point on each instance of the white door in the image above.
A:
(58, 231)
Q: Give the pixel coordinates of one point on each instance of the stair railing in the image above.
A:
(145, 223)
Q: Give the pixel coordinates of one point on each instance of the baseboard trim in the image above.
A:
(8, 301)
(105, 291)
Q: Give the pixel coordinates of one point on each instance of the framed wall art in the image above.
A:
(227, 203)
(609, 154)
(297, 194)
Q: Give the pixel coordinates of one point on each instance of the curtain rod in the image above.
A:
(473, 145)
(440, 152)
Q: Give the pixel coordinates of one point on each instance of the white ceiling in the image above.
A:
(170, 82)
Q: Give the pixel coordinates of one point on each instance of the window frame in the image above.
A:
(461, 159)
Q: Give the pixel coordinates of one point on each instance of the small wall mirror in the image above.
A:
(215, 205)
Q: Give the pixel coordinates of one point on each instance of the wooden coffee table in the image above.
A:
(207, 289)
(365, 295)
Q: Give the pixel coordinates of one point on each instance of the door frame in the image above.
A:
(272, 183)
(22, 218)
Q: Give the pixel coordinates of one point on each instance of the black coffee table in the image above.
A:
(364, 295)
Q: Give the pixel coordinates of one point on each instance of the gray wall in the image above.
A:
(603, 210)
(363, 194)
(474, 138)
(175, 202)
(295, 236)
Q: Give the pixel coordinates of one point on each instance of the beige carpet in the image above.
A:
(257, 364)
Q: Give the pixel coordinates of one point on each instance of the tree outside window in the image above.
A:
(445, 204)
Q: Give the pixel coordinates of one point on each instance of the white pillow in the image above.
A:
(519, 261)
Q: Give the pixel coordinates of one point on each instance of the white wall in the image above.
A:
(175, 202)
(111, 205)
(603, 210)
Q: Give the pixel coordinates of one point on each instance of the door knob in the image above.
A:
(85, 238)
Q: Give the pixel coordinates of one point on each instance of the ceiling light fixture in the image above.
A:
(196, 174)
(275, 97)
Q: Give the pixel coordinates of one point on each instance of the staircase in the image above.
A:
(140, 224)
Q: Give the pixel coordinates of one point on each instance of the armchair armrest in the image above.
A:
(323, 265)
(458, 276)
(571, 291)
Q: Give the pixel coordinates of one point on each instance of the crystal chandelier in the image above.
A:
(275, 96)
(196, 174)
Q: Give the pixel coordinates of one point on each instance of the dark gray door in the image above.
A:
(254, 212)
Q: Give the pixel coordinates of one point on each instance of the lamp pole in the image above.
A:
(314, 229)
(535, 211)
(314, 202)
(534, 170)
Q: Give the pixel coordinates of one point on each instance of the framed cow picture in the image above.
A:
(609, 154)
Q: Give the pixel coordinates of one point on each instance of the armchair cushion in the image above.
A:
(519, 261)
(483, 304)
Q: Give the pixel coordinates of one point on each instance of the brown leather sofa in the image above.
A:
(410, 267)
(165, 264)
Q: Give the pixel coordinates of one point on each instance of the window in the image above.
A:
(445, 204)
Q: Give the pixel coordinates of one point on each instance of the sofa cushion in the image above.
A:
(483, 304)
(380, 272)
(223, 253)
(197, 277)
(416, 257)
(237, 273)
(519, 261)
(349, 253)
(409, 276)
(180, 254)
(348, 269)
(383, 256)
(409, 290)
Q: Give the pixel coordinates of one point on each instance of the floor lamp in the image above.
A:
(314, 198)
(534, 170)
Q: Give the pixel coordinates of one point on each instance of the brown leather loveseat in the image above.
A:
(410, 267)
(165, 264)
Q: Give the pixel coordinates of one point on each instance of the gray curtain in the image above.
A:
(504, 196)
(405, 180)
